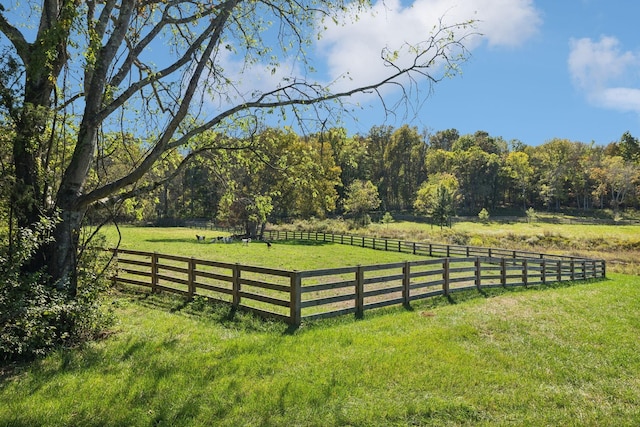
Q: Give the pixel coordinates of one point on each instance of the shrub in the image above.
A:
(36, 317)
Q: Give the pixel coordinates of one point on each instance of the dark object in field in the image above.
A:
(268, 243)
(200, 238)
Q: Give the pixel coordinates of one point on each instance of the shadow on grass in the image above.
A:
(438, 301)
(301, 242)
(220, 313)
(176, 240)
(227, 316)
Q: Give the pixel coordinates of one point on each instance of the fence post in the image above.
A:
(295, 309)
(359, 292)
(525, 272)
(573, 269)
(114, 278)
(543, 273)
(236, 286)
(154, 272)
(445, 277)
(559, 270)
(503, 272)
(478, 273)
(191, 281)
(414, 247)
(406, 284)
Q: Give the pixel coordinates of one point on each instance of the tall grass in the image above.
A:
(564, 355)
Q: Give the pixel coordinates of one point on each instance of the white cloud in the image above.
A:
(605, 73)
(355, 47)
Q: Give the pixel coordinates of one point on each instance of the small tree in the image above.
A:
(443, 207)
(362, 197)
(531, 215)
(387, 218)
(484, 216)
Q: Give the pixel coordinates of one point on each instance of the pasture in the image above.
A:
(566, 354)
(282, 255)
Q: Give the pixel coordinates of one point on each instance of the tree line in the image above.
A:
(277, 175)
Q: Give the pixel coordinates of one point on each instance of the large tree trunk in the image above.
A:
(27, 197)
(63, 252)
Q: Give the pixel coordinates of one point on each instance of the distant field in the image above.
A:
(619, 245)
(493, 229)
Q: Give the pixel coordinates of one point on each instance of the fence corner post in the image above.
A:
(295, 309)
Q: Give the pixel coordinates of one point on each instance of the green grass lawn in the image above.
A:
(564, 355)
(286, 255)
(567, 354)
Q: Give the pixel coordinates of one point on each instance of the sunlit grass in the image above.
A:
(566, 354)
(563, 355)
(282, 254)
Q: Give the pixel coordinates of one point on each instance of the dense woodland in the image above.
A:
(279, 175)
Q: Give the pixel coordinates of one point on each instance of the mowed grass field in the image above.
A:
(285, 255)
(567, 354)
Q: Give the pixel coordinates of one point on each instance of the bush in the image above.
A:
(36, 317)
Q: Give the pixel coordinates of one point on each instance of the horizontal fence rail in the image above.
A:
(415, 248)
(294, 296)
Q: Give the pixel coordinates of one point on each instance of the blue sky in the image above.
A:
(542, 69)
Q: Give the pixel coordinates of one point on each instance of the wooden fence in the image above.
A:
(294, 296)
(415, 248)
